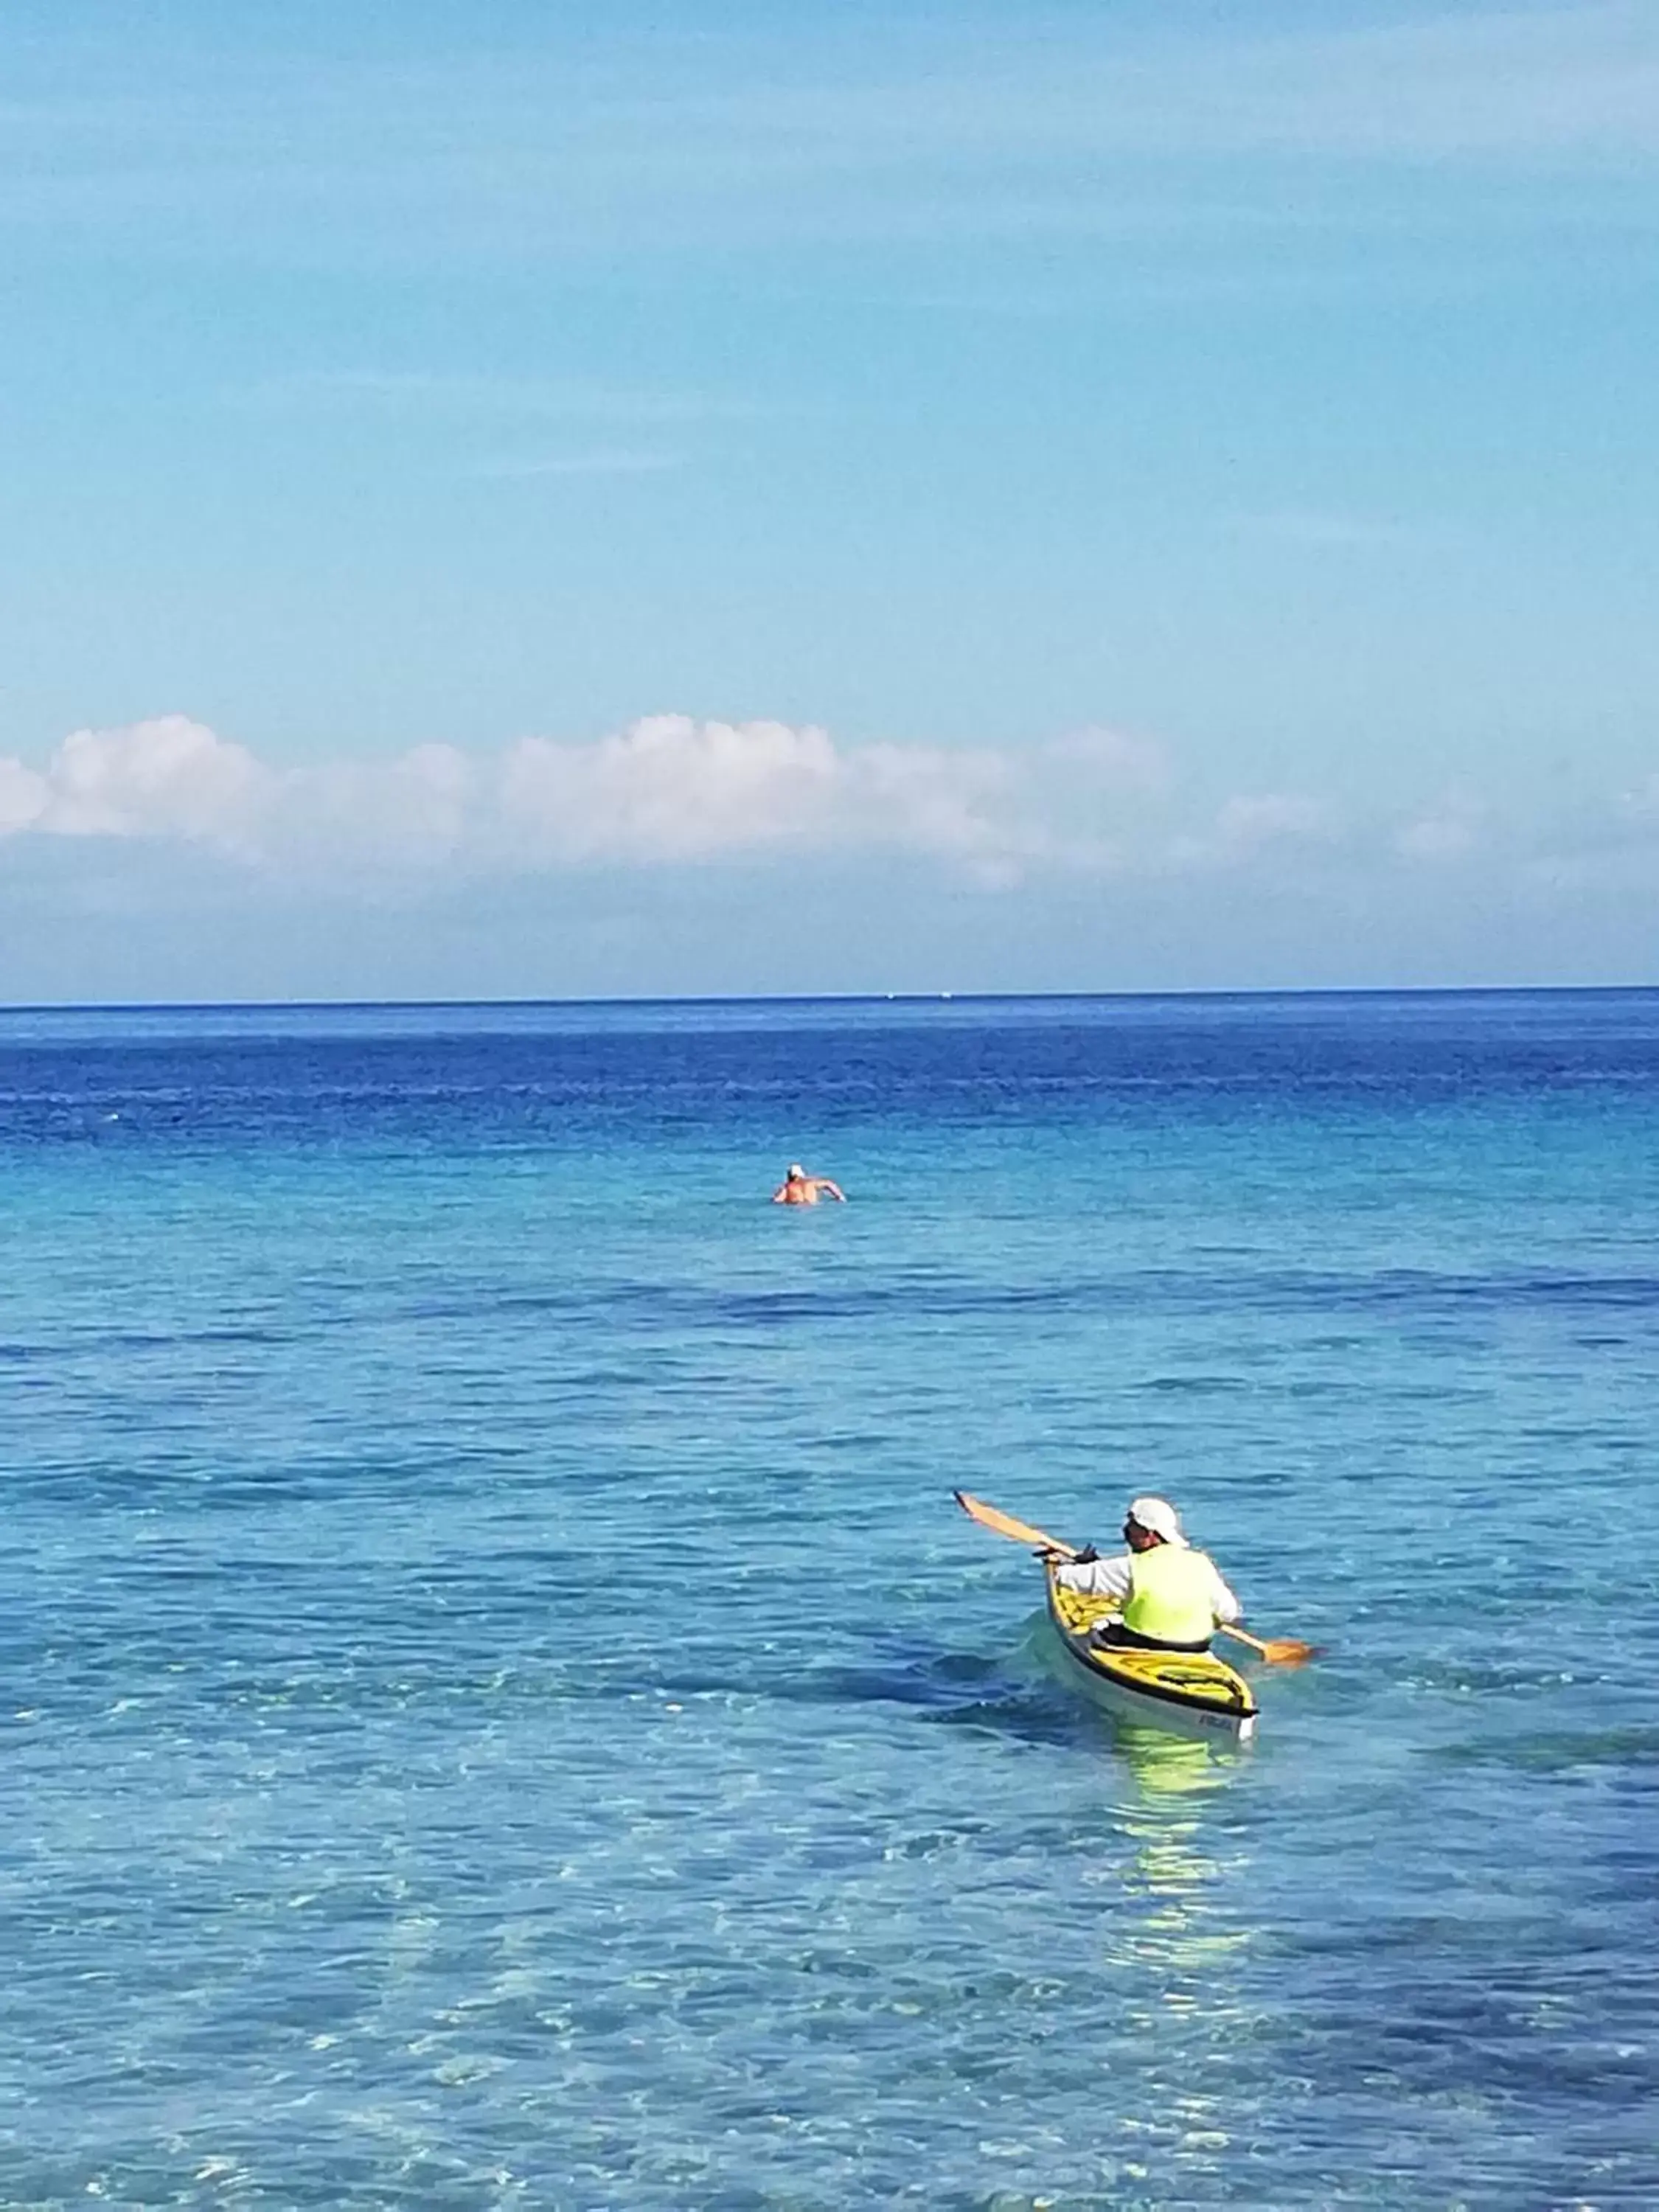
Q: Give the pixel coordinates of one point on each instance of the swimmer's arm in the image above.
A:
(834, 1188)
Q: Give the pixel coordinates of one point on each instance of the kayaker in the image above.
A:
(799, 1188)
(1173, 1599)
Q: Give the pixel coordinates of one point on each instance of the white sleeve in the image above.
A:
(1099, 1578)
(1226, 1606)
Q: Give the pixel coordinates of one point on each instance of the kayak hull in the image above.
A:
(1186, 1693)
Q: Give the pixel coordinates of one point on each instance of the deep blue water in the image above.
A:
(500, 1710)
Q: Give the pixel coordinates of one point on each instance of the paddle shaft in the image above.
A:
(1243, 1635)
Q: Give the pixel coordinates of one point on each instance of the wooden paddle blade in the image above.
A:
(1277, 1650)
(1288, 1651)
(1021, 1532)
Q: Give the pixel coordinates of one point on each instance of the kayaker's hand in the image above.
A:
(1086, 1557)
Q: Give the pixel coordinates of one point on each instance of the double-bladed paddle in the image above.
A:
(1277, 1650)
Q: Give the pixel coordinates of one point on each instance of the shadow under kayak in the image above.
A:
(1177, 1690)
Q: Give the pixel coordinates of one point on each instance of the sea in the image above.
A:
(501, 1708)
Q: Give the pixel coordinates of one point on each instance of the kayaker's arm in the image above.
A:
(1225, 1606)
(1093, 1576)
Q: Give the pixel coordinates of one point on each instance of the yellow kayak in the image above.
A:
(1166, 1689)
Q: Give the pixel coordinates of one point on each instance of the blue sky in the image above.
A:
(510, 499)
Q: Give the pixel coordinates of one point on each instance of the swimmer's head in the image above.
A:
(796, 1173)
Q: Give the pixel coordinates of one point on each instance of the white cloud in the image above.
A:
(1247, 829)
(961, 802)
(168, 777)
(669, 788)
(24, 797)
(415, 810)
(672, 791)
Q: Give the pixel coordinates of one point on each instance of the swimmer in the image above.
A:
(799, 1188)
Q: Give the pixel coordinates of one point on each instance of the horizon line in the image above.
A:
(827, 998)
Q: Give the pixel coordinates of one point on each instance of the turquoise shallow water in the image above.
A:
(500, 1708)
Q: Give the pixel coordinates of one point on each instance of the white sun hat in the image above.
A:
(1157, 1517)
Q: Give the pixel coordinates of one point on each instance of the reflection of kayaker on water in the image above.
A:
(1173, 1599)
(799, 1188)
